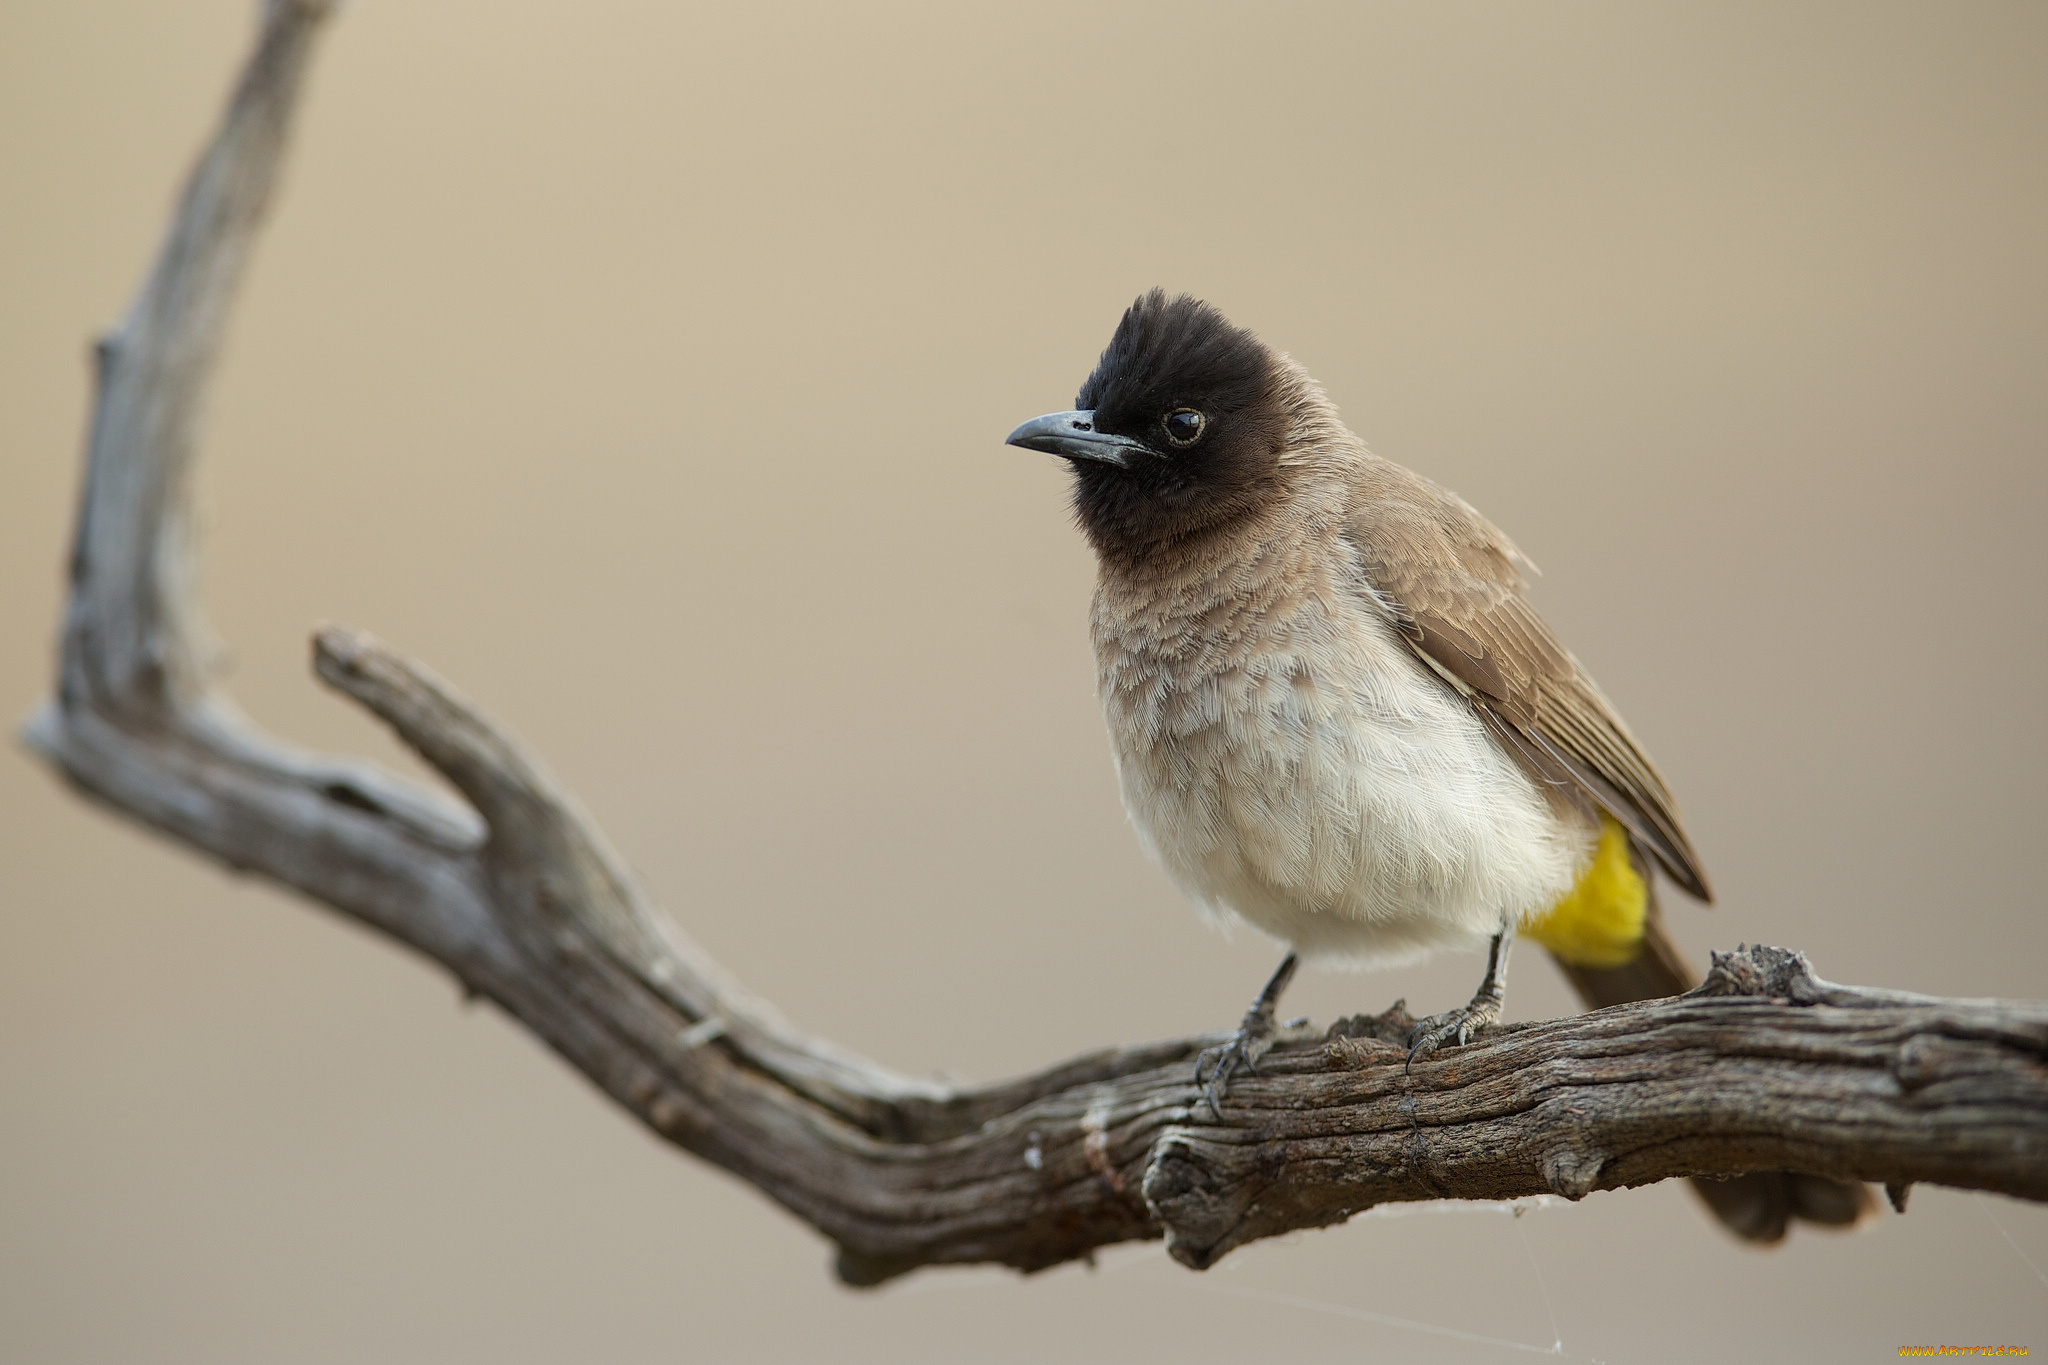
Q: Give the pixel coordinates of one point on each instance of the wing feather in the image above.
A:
(1453, 585)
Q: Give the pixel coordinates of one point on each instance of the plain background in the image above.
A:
(644, 369)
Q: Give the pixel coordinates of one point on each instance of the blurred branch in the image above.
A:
(1763, 1068)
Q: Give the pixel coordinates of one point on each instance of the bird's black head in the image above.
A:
(1176, 434)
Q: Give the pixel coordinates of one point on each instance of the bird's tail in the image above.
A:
(1757, 1207)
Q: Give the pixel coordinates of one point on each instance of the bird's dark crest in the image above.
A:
(1170, 351)
(1170, 354)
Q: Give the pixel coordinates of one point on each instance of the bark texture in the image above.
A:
(1764, 1067)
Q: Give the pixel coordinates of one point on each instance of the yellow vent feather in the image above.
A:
(1599, 923)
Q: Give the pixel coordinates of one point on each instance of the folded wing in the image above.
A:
(1453, 584)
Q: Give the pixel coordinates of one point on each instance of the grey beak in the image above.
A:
(1073, 435)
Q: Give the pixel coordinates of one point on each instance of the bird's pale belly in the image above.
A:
(1328, 789)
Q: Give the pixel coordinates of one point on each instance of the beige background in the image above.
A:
(645, 369)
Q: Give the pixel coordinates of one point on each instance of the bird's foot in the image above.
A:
(1453, 1028)
(1254, 1038)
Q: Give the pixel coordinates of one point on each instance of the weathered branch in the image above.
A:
(1765, 1067)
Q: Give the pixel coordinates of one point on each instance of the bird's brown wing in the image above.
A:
(1452, 582)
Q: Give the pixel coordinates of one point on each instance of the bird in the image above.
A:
(1336, 715)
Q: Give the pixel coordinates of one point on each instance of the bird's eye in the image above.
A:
(1184, 426)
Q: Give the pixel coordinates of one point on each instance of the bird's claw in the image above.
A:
(1453, 1028)
(1252, 1041)
(1218, 1064)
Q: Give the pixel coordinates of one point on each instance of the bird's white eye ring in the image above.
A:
(1184, 426)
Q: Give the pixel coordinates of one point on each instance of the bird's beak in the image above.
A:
(1073, 435)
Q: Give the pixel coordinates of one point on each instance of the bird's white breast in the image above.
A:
(1290, 761)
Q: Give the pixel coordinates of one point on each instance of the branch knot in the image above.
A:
(1760, 970)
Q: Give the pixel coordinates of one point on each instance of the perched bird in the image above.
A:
(1336, 716)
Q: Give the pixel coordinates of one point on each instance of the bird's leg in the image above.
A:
(1457, 1026)
(1253, 1039)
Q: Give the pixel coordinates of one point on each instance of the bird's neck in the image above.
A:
(1219, 586)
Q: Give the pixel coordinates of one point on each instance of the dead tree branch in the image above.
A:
(1765, 1067)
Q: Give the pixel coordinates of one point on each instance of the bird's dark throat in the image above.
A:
(1151, 515)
